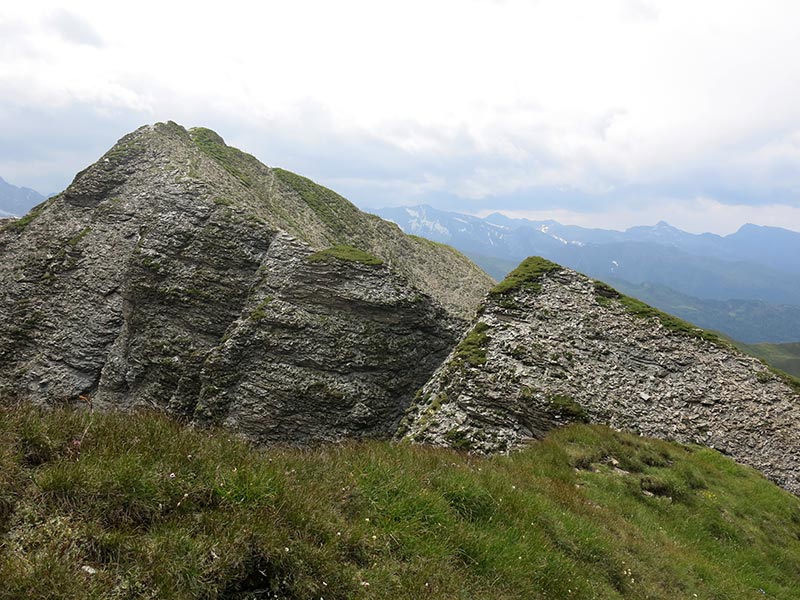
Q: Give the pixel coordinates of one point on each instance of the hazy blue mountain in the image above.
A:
(692, 274)
(743, 284)
(748, 321)
(767, 245)
(17, 201)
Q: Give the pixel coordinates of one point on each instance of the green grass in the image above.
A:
(75, 240)
(785, 357)
(234, 161)
(260, 312)
(336, 212)
(20, 224)
(472, 349)
(525, 276)
(162, 511)
(790, 380)
(346, 253)
(567, 406)
(606, 294)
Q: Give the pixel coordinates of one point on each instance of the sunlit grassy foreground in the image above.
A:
(124, 506)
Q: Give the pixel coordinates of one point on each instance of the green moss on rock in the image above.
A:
(472, 349)
(20, 224)
(566, 406)
(606, 294)
(75, 240)
(259, 312)
(331, 208)
(525, 276)
(233, 160)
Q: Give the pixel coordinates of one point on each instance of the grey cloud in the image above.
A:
(44, 149)
(73, 28)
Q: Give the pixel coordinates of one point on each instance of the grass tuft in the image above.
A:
(525, 276)
(135, 506)
(605, 294)
(472, 349)
(233, 160)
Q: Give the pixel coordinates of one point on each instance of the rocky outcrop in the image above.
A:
(552, 346)
(182, 274)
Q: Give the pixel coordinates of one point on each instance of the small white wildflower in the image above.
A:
(172, 475)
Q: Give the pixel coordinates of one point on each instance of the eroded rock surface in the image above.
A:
(563, 348)
(176, 273)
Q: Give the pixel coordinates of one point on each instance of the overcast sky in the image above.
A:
(599, 112)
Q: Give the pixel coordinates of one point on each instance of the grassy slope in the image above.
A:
(785, 357)
(160, 511)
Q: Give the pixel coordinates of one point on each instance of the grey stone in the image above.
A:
(562, 343)
(174, 274)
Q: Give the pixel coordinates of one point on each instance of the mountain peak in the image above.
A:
(181, 273)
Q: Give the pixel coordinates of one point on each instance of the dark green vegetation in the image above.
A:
(567, 407)
(345, 252)
(233, 160)
(605, 294)
(21, 223)
(472, 349)
(525, 276)
(259, 312)
(785, 357)
(331, 208)
(154, 510)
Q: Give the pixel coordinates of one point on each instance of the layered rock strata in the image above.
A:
(180, 273)
(552, 346)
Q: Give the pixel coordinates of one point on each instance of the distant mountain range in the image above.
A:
(17, 201)
(744, 285)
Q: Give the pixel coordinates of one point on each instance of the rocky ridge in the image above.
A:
(552, 346)
(182, 274)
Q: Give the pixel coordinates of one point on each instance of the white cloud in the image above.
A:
(72, 28)
(699, 215)
(485, 97)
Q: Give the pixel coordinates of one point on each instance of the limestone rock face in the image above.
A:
(560, 347)
(182, 274)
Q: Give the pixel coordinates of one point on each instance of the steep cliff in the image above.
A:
(180, 273)
(552, 346)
